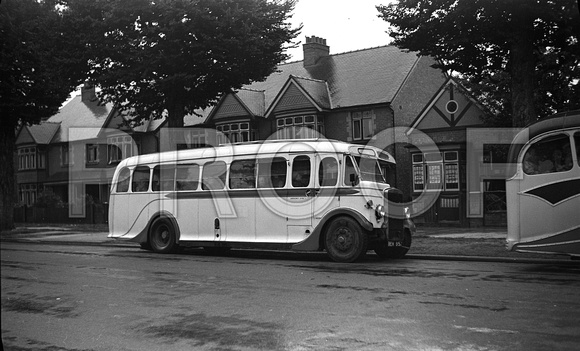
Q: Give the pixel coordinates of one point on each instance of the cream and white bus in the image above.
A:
(543, 197)
(305, 195)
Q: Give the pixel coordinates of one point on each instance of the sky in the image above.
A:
(347, 25)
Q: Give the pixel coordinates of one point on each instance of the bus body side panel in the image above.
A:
(186, 210)
(241, 226)
(271, 220)
(548, 206)
(130, 214)
(513, 215)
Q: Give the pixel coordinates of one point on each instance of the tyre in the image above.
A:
(345, 240)
(162, 236)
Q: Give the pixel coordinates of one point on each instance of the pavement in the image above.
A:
(437, 243)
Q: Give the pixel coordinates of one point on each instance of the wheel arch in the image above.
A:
(165, 215)
(315, 241)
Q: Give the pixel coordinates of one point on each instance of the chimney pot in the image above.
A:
(314, 49)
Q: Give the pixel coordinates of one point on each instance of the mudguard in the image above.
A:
(312, 242)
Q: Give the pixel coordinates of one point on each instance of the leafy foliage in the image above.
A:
(520, 56)
(38, 73)
(179, 55)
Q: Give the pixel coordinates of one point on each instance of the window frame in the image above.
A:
(433, 171)
(363, 125)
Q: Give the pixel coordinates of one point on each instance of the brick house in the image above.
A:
(360, 96)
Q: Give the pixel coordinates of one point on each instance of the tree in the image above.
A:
(528, 49)
(175, 56)
(37, 77)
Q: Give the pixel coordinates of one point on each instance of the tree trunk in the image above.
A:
(7, 175)
(522, 70)
(175, 114)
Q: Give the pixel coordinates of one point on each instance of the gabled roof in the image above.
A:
(244, 102)
(448, 119)
(80, 120)
(122, 121)
(40, 134)
(253, 100)
(312, 93)
(369, 76)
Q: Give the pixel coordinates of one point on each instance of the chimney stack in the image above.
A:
(314, 49)
(88, 92)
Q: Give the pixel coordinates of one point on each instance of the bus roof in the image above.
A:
(558, 121)
(259, 147)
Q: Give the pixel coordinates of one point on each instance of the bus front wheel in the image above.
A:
(162, 236)
(345, 240)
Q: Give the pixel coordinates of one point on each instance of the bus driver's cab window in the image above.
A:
(549, 155)
(349, 172)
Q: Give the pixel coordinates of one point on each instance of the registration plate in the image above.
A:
(394, 243)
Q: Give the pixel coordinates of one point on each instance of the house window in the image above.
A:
(66, 155)
(436, 170)
(194, 138)
(235, 132)
(28, 194)
(92, 153)
(363, 125)
(299, 127)
(26, 158)
(118, 148)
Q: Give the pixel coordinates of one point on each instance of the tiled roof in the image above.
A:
(44, 132)
(254, 100)
(316, 89)
(354, 78)
(80, 119)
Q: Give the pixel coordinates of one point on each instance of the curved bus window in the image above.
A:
(328, 172)
(186, 177)
(301, 171)
(548, 155)
(243, 174)
(163, 178)
(272, 172)
(140, 182)
(123, 180)
(213, 175)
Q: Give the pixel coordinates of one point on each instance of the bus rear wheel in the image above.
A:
(345, 240)
(162, 236)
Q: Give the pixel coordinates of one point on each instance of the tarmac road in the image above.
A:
(439, 243)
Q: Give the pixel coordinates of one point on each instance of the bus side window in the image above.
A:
(272, 172)
(548, 155)
(123, 181)
(243, 174)
(328, 172)
(301, 171)
(163, 178)
(140, 181)
(349, 171)
(213, 175)
(186, 177)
